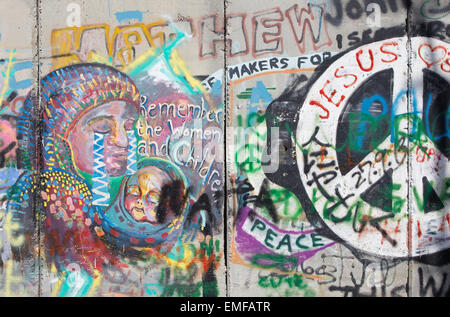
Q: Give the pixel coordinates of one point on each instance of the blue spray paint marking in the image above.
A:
(367, 103)
(21, 84)
(125, 16)
(259, 94)
(216, 89)
(427, 126)
(415, 122)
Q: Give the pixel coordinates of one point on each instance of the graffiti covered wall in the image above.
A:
(211, 148)
(338, 171)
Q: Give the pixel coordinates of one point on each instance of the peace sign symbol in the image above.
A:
(373, 138)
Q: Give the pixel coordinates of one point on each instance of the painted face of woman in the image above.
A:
(113, 119)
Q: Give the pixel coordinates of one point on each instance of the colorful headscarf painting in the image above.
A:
(77, 102)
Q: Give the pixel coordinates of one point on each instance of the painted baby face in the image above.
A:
(113, 119)
(142, 194)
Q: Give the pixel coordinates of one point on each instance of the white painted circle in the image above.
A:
(410, 231)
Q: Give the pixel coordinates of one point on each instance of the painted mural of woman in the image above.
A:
(98, 204)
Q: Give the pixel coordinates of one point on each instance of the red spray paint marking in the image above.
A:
(368, 69)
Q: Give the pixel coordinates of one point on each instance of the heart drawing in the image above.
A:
(432, 55)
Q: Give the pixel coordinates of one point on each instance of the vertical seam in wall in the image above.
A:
(38, 144)
(225, 154)
(408, 72)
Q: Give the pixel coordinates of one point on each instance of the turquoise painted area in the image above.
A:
(163, 54)
(76, 284)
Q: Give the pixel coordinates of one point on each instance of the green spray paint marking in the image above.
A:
(292, 282)
(274, 261)
(289, 201)
(443, 195)
(444, 11)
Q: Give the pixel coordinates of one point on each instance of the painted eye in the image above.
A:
(102, 126)
(151, 199)
(129, 124)
(133, 191)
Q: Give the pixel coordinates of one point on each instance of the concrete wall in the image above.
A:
(211, 148)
